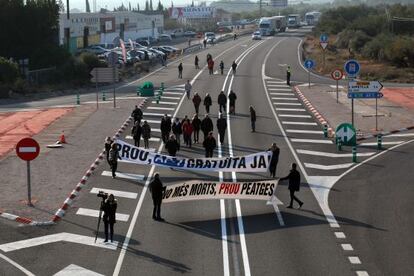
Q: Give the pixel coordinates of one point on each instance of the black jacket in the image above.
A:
(156, 188)
(176, 128)
(137, 114)
(234, 66)
(294, 180)
(136, 131)
(252, 115)
(210, 143)
(275, 156)
(109, 209)
(180, 67)
(207, 125)
(146, 131)
(165, 124)
(222, 99)
(221, 124)
(208, 101)
(196, 122)
(232, 98)
(172, 146)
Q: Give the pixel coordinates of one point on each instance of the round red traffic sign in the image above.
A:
(337, 74)
(27, 149)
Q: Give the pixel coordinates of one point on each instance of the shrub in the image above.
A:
(9, 71)
(90, 60)
(375, 48)
(359, 40)
(401, 52)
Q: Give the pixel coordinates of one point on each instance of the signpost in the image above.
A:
(337, 74)
(309, 64)
(28, 149)
(104, 75)
(347, 134)
(352, 68)
(323, 41)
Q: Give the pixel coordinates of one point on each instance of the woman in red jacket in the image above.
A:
(187, 131)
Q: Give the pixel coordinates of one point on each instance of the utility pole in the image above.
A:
(260, 8)
(67, 9)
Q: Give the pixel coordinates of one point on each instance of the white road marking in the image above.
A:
(306, 84)
(383, 143)
(400, 135)
(362, 273)
(295, 116)
(333, 155)
(152, 139)
(304, 131)
(328, 167)
(130, 176)
(354, 260)
(95, 213)
(19, 267)
(296, 104)
(281, 94)
(224, 237)
(278, 82)
(152, 121)
(280, 89)
(167, 103)
(170, 98)
(347, 247)
(340, 235)
(159, 108)
(312, 141)
(291, 109)
(116, 193)
(172, 93)
(27, 149)
(334, 86)
(299, 123)
(66, 237)
(155, 114)
(72, 269)
(285, 99)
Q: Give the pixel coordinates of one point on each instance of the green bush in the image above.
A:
(359, 40)
(375, 48)
(90, 60)
(371, 25)
(9, 71)
(343, 39)
(401, 52)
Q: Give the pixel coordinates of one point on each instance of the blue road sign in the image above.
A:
(365, 95)
(323, 38)
(352, 68)
(309, 64)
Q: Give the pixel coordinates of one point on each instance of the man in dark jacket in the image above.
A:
(234, 66)
(221, 127)
(222, 101)
(206, 126)
(252, 118)
(196, 122)
(232, 100)
(196, 62)
(274, 159)
(109, 217)
(209, 144)
(136, 133)
(146, 134)
(157, 189)
(196, 101)
(180, 71)
(177, 130)
(165, 127)
(137, 114)
(208, 102)
(294, 184)
(172, 146)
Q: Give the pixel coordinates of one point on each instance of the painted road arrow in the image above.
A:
(364, 86)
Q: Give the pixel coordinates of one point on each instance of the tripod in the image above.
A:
(99, 219)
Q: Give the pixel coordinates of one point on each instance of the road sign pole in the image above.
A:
(323, 58)
(352, 108)
(113, 82)
(29, 188)
(309, 77)
(97, 93)
(337, 91)
(376, 114)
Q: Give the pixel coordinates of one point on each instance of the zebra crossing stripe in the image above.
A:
(95, 213)
(155, 114)
(291, 109)
(160, 108)
(296, 104)
(294, 116)
(167, 103)
(304, 131)
(312, 141)
(299, 123)
(116, 193)
(130, 176)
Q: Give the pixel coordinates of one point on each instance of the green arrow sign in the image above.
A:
(347, 133)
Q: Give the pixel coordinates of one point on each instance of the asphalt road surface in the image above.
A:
(232, 237)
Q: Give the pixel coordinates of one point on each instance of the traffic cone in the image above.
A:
(62, 139)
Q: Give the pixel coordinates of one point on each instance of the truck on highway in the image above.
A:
(293, 20)
(312, 18)
(272, 25)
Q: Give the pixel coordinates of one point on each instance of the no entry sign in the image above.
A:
(27, 149)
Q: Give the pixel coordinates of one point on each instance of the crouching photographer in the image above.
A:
(108, 207)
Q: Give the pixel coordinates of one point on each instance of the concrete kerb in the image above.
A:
(72, 196)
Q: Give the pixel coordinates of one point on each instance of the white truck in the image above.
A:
(272, 25)
(312, 18)
(293, 20)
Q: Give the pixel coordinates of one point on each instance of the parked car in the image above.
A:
(158, 53)
(209, 35)
(164, 37)
(94, 49)
(164, 50)
(143, 41)
(177, 33)
(189, 34)
(173, 49)
(256, 35)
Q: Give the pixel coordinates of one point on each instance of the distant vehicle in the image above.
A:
(256, 35)
(94, 49)
(177, 33)
(164, 50)
(173, 49)
(294, 21)
(190, 34)
(272, 25)
(312, 18)
(156, 52)
(143, 41)
(210, 37)
(164, 37)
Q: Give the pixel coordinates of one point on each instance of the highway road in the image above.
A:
(233, 237)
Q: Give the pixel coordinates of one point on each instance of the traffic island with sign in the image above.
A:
(347, 134)
(146, 89)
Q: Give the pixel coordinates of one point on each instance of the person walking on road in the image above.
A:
(196, 102)
(232, 100)
(209, 56)
(205, 43)
(137, 114)
(108, 143)
(157, 189)
(222, 67)
(274, 159)
(207, 102)
(146, 134)
(294, 184)
(234, 67)
(187, 131)
(209, 145)
(172, 146)
(113, 158)
(210, 65)
(187, 88)
(221, 127)
(288, 72)
(136, 133)
(222, 101)
(180, 70)
(177, 130)
(206, 125)
(165, 128)
(253, 118)
(196, 123)
(196, 62)
(109, 216)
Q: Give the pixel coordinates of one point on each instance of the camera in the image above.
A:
(102, 195)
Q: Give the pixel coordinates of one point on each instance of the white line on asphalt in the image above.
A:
(333, 155)
(277, 82)
(95, 213)
(172, 93)
(291, 109)
(285, 99)
(384, 143)
(167, 103)
(328, 167)
(281, 94)
(130, 176)
(277, 103)
(400, 135)
(72, 269)
(354, 260)
(159, 108)
(155, 114)
(280, 89)
(152, 121)
(299, 123)
(312, 141)
(224, 237)
(128, 235)
(67, 237)
(362, 273)
(347, 247)
(19, 267)
(334, 86)
(152, 139)
(304, 131)
(278, 85)
(116, 193)
(340, 235)
(295, 116)
(170, 98)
